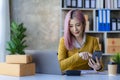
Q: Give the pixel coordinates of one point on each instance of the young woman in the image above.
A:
(76, 48)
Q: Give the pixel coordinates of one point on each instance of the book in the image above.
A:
(74, 3)
(118, 24)
(69, 3)
(93, 4)
(107, 20)
(87, 3)
(113, 24)
(80, 3)
(118, 3)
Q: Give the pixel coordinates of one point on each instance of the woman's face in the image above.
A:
(76, 27)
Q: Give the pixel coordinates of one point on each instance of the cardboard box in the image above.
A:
(87, 26)
(100, 46)
(18, 59)
(113, 42)
(17, 69)
(113, 49)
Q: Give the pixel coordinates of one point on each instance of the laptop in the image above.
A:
(46, 62)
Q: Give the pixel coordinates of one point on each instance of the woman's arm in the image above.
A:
(65, 61)
(98, 64)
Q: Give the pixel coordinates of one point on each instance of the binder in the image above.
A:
(101, 3)
(115, 4)
(111, 4)
(87, 3)
(64, 5)
(74, 3)
(93, 4)
(100, 21)
(107, 20)
(104, 20)
(118, 3)
(69, 3)
(80, 3)
(96, 28)
(108, 2)
(97, 4)
(118, 24)
(113, 24)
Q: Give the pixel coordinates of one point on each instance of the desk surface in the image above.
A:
(85, 75)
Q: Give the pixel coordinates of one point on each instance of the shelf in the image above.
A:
(113, 32)
(118, 9)
(93, 32)
(103, 32)
(90, 9)
(78, 9)
(107, 54)
(94, 24)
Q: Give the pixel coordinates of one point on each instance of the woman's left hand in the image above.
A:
(95, 65)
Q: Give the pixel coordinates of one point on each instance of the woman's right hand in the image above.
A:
(85, 55)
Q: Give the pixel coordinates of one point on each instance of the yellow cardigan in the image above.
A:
(70, 60)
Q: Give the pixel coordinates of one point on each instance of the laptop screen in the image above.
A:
(46, 61)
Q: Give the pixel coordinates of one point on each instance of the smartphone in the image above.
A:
(97, 54)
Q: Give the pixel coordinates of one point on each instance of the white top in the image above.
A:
(78, 45)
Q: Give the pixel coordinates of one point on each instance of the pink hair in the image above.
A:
(68, 37)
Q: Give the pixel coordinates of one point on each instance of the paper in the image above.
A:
(83, 72)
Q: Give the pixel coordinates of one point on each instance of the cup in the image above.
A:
(112, 69)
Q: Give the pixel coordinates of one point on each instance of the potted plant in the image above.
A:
(116, 59)
(16, 45)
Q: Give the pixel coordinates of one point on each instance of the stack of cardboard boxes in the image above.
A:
(113, 45)
(18, 65)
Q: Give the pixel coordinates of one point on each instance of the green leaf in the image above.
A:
(17, 43)
(116, 58)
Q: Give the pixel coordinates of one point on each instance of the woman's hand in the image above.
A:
(95, 65)
(85, 55)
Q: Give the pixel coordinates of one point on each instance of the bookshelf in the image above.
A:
(94, 17)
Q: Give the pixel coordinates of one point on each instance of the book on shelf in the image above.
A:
(108, 20)
(107, 4)
(80, 3)
(115, 4)
(87, 4)
(118, 3)
(100, 21)
(113, 24)
(68, 3)
(74, 3)
(103, 20)
(118, 24)
(93, 4)
(110, 4)
(99, 4)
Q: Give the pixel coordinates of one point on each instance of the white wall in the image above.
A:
(4, 27)
(42, 20)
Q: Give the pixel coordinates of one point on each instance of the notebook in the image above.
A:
(46, 62)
